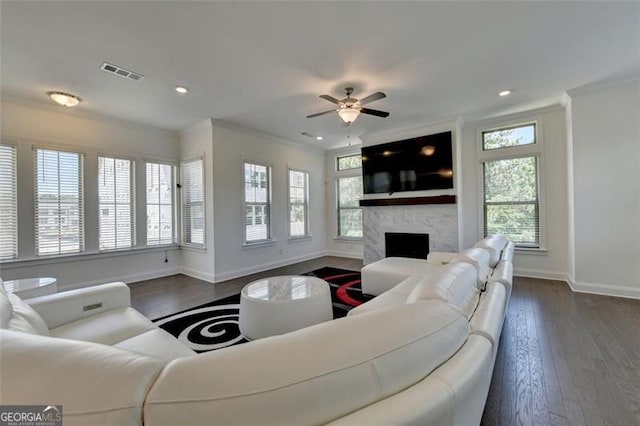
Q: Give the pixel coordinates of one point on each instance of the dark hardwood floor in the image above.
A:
(564, 358)
(165, 296)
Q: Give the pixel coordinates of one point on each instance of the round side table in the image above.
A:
(278, 305)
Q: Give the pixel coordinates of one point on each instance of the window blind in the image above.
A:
(298, 203)
(257, 201)
(115, 202)
(349, 211)
(59, 208)
(511, 205)
(160, 220)
(8, 203)
(193, 202)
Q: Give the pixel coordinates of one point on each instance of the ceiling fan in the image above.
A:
(350, 108)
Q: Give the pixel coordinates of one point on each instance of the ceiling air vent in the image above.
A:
(114, 69)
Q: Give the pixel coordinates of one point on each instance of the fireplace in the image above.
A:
(402, 244)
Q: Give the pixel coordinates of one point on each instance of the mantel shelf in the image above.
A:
(410, 201)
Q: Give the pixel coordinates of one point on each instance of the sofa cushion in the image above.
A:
(384, 274)
(96, 384)
(107, 328)
(309, 376)
(494, 244)
(394, 297)
(479, 258)
(21, 316)
(5, 308)
(455, 284)
(157, 343)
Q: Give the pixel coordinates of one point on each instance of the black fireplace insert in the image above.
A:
(402, 244)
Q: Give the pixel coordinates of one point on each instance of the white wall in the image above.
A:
(606, 174)
(27, 124)
(230, 148)
(553, 262)
(197, 141)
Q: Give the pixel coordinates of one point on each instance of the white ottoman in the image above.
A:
(384, 274)
(278, 305)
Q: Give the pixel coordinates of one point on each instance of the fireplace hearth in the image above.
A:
(403, 244)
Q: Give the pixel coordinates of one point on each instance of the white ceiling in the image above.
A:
(262, 65)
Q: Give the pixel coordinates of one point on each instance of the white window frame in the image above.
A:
(520, 151)
(173, 203)
(346, 173)
(185, 204)
(268, 204)
(9, 234)
(81, 212)
(307, 227)
(132, 202)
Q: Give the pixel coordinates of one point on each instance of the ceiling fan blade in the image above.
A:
(372, 97)
(375, 112)
(321, 113)
(330, 99)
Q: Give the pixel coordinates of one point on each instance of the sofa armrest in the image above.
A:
(62, 308)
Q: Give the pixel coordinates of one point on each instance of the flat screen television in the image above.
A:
(417, 164)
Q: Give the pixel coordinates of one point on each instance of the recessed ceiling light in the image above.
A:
(505, 93)
(319, 138)
(181, 89)
(64, 99)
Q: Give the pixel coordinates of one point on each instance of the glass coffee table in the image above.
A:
(26, 288)
(278, 305)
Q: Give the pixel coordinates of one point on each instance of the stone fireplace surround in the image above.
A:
(440, 221)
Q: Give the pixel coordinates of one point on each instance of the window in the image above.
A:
(8, 203)
(115, 200)
(298, 204)
(257, 203)
(193, 202)
(349, 211)
(509, 136)
(59, 209)
(349, 162)
(510, 185)
(160, 220)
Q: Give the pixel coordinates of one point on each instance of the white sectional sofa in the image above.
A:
(420, 353)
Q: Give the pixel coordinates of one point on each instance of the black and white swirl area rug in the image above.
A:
(215, 325)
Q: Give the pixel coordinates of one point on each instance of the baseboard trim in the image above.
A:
(237, 273)
(346, 254)
(194, 273)
(580, 287)
(132, 278)
(542, 274)
(605, 290)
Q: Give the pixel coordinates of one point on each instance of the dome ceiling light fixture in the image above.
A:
(350, 108)
(64, 99)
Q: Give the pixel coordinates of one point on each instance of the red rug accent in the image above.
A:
(341, 293)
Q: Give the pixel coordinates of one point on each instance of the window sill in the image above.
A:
(339, 238)
(531, 251)
(258, 244)
(75, 257)
(196, 248)
(300, 238)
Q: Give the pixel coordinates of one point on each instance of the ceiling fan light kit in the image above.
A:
(348, 115)
(350, 108)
